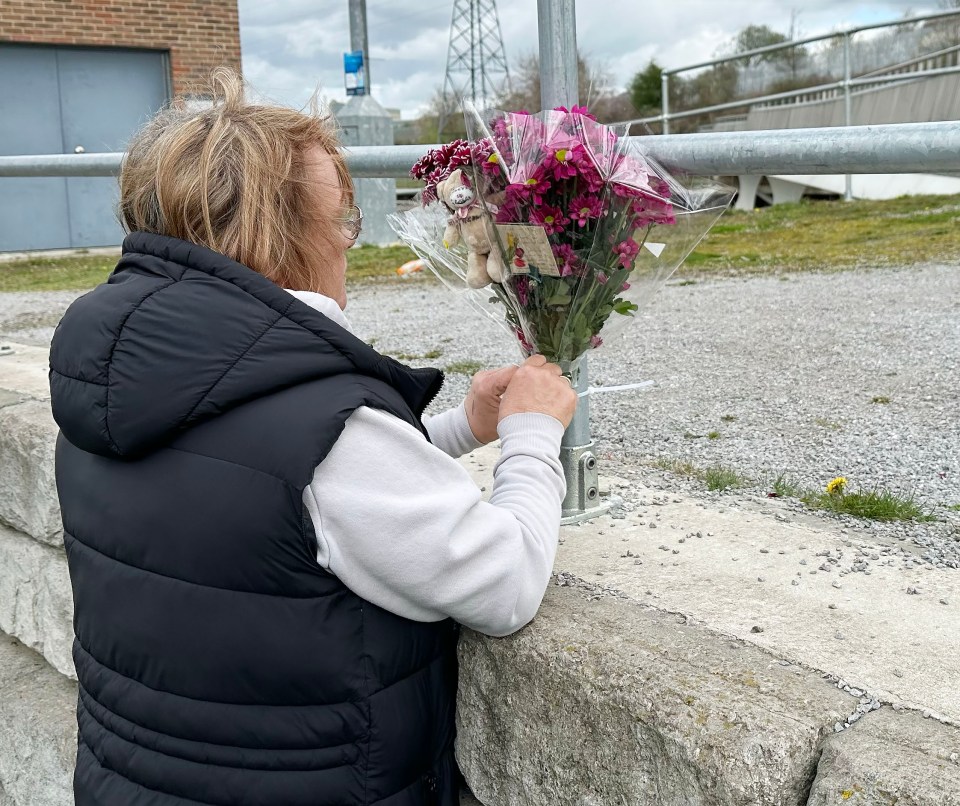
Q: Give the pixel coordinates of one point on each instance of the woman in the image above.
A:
(270, 550)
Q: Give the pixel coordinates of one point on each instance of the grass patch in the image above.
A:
(713, 435)
(786, 487)
(805, 236)
(428, 355)
(78, 273)
(728, 418)
(817, 235)
(954, 507)
(678, 466)
(376, 262)
(880, 399)
(876, 504)
(722, 478)
(83, 272)
(464, 367)
(716, 478)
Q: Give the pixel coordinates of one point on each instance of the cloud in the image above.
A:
(291, 47)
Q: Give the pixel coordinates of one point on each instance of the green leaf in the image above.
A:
(625, 307)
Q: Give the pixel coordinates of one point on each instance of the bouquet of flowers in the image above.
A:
(566, 220)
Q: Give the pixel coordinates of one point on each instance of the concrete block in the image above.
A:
(36, 602)
(38, 729)
(603, 701)
(890, 758)
(24, 371)
(28, 489)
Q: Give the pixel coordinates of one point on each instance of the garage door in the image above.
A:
(62, 101)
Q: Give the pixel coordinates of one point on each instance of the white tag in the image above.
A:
(655, 248)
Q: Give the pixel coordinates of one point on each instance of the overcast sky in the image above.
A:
(291, 47)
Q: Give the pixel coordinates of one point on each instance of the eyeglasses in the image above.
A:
(352, 224)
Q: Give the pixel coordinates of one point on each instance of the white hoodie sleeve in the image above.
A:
(451, 432)
(402, 524)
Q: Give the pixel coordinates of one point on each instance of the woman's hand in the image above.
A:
(483, 401)
(539, 387)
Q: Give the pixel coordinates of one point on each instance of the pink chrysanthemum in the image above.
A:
(550, 218)
(584, 207)
(626, 251)
(567, 261)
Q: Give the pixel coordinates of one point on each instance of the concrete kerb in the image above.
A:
(731, 571)
(28, 495)
(602, 700)
(38, 729)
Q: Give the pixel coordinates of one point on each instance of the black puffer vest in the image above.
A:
(218, 663)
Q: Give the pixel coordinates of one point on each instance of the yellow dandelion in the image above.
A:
(835, 487)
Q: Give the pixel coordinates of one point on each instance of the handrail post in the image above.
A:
(847, 112)
(664, 103)
(559, 76)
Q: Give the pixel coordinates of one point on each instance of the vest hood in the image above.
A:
(179, 334)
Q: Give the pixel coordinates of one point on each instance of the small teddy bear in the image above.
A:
(470, 223)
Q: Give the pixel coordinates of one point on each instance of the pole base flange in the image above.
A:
(607, 503)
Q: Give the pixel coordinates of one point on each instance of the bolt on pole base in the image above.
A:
(582, 501)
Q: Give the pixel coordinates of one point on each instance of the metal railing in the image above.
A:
(881, 148)
(925, 66)
(845, 84)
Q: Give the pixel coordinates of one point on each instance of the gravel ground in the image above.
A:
(783, 369)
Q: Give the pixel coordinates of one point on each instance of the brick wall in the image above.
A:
(200, 34)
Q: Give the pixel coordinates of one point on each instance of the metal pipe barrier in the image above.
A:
(882, 148)
(666, 116)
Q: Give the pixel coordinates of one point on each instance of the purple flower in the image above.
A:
(532, 189)
(550, 218)
(590, 177)
(627, 251)
(595, 341)
(564, 162)
(648, 211)
(585, 206)
(567, 261)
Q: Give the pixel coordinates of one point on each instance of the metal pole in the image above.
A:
(665, 103)
(848, 180)
(889, 148)
(358, 37)
(558, 53)
(474, 36)
(559, 87)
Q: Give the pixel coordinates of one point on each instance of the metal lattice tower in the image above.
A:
(476, 61)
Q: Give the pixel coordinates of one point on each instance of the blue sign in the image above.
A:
(353, 73)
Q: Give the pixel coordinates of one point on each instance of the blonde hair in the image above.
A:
(233, 178)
